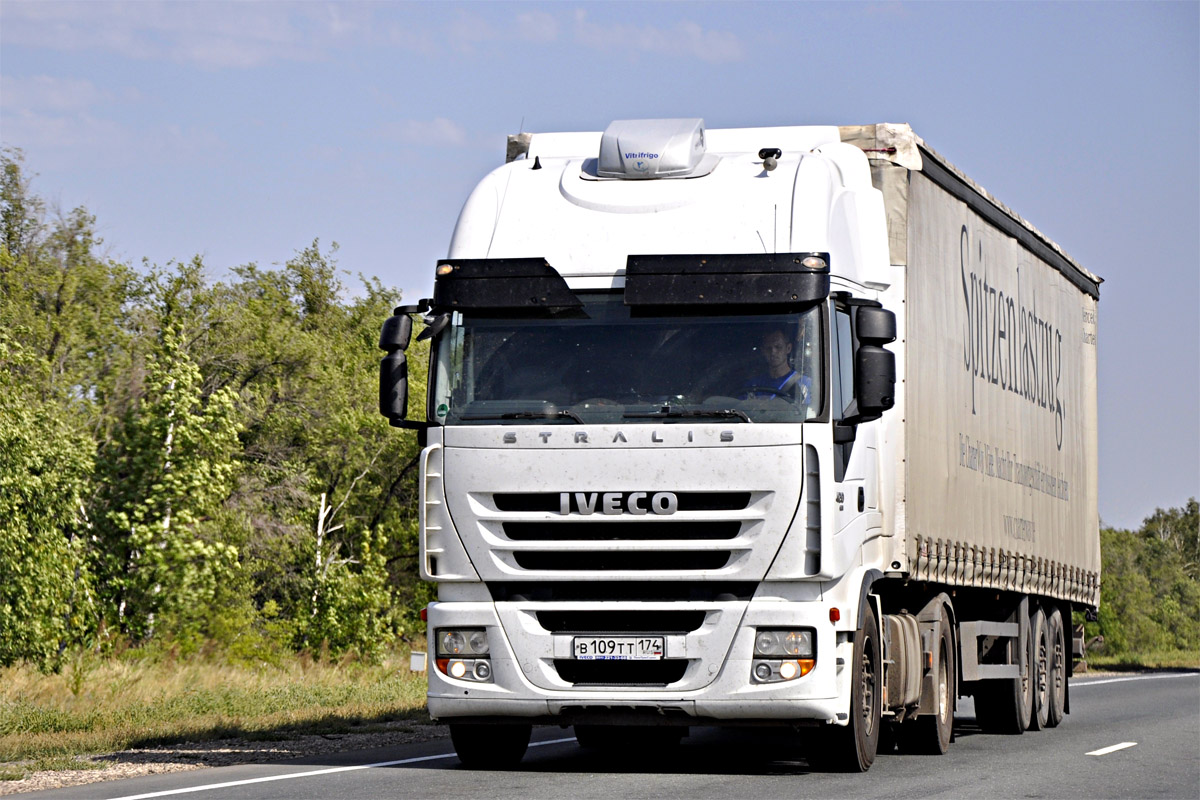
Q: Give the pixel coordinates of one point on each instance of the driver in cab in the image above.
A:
(780, 379)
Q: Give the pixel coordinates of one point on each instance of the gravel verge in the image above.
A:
(221, 753)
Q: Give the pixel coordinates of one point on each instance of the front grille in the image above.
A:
(713, 531)
(616, 560)
(621, 621)
(608, 531)
(688, 501)
(620, 673)
(639, 591)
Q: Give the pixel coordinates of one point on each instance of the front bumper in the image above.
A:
(715, 687)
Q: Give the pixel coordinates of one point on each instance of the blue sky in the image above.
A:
(243, 131)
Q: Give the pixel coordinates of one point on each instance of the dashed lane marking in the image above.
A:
(1103, 751)
(311, 773)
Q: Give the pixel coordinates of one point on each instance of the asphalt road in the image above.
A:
(1127, 737)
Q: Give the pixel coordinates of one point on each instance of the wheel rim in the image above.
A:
(1058, 671)
(867, 687)
(943, 687)
(1043, 680)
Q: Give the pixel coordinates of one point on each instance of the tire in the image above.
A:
(1040, 670)
(1057, 668)
(930, 733)
(490, 746)
(1005, 706)
(632, 741)
(852, 748)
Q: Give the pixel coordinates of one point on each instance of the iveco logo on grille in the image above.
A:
(618, 503)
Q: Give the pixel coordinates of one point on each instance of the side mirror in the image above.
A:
(875, 367)
(875, 325)
(393, 386)
(396, 333)
(393, 370)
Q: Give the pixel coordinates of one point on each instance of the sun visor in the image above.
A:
(755, 279)
(508, 285)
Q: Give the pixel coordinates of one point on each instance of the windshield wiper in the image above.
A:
(668, 412)
(561, 413)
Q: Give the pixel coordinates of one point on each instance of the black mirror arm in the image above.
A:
(410, 424)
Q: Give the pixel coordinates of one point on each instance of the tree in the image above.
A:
(1149, 595)
(163, 479)
(46, 600)
(1179, 528)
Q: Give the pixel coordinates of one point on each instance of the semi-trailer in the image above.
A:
(779, 426)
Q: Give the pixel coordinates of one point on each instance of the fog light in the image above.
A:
(483, 671)
(787, 670)
(457, 669)
(762, 671)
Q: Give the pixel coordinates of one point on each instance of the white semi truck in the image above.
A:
(787, 426)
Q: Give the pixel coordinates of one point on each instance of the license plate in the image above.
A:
(618, 648)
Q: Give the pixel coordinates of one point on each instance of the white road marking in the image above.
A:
(1077, 684)
(1103, 751)
(311, 773)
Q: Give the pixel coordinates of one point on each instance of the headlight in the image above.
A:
(462, 642)
(462, 653)
(797, 643)
(782, 654)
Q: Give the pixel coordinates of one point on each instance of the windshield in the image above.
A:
(604, 365)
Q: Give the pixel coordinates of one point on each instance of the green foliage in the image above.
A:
(191, 463)
(162, 478)
(45, 596)
(1149, 593)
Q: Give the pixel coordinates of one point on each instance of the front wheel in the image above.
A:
(490, 746)
(853, 748)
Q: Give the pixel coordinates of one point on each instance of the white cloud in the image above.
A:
(684, 39)
(213, 34)
(466, 30)
(82, 133)
(45, 93)
(437, 131)
(537, 26)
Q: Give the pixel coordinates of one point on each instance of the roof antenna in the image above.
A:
(537, 162)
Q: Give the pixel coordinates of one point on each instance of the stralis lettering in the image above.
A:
(636, 503)
(1005, 342)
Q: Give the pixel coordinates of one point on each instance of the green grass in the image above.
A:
(104, 705)
(1159, 659)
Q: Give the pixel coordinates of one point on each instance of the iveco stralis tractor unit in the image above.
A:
(789, 426)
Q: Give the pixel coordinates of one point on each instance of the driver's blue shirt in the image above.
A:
(802, 387)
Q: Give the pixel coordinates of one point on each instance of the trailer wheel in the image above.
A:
(1057, 676)
(490, 746)
(1040, 672)
(853, 748)
(931, 732)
